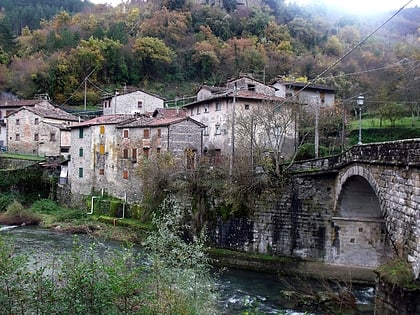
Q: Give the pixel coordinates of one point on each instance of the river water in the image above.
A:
(239, 290)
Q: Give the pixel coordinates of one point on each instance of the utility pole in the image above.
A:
(232, 151)
(86, 78)
(316, 140)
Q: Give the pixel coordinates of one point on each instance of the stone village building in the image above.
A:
(305, 94)
(130, 103)
(216, 108)
(9, 106)
(42, 130)
(106, 150)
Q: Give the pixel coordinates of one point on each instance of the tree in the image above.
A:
(392, 112)
(265, 131)
(151, 50)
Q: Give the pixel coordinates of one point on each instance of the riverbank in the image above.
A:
(133, 231)
(291, 266)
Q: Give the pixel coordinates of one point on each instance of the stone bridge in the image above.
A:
(357, 208)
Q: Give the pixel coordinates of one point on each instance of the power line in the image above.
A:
(346, 54)
(373, 70)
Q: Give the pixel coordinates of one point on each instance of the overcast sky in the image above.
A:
(350, 6)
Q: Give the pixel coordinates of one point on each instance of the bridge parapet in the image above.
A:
(401, 152)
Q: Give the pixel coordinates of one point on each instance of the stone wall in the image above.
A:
(305, 218)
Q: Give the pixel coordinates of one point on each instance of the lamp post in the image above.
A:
(360, 101)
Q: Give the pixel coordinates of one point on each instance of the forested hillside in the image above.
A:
(170, 47)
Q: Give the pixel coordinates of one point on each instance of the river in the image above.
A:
(239, 290)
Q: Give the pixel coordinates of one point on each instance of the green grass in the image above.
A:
(22, 156)
(405, 122)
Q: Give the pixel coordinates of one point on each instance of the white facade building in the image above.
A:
(137, 102)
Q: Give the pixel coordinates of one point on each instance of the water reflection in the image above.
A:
(240, 291)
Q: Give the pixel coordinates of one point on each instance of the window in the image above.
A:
(146, 153)
(218, 106)
(206, 131)
(17, 137)
(217, 130)
(289, 95)
(140, 104)
(146, 133)
(322, 97)
(191, 111)
(251, 87)
(80, 171)
(125, 174)
(52, 137)
(80, 152)
(101, 129)
(159, 133)
(17, 121)
(134, 154)
(125, 133)
(101, 171)
(206, 108)
(36, 137)
(198, 110)
(246, 106)
(80, 133)
(158, 151)
(36, 121)
(125, 153)
(102, 149)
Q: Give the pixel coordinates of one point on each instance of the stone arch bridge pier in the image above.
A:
(357, 209)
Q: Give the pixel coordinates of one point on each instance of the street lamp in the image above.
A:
(360, 101)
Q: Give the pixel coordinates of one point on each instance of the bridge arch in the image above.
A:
(358, 226)
(354, 171)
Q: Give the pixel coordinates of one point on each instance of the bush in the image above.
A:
(307, 151)
(5, 200)
(398, 272)
(46, 206)
(173, 279)
(370, 135)
(17, 214)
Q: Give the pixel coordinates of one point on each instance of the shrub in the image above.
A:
(173, 279)
(17, 214)
(47, 206)
(5, 200)
(307, 151)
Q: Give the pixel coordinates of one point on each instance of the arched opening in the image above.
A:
(358, 199)
(359, 232)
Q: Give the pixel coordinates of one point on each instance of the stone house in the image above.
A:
(217, 107)
(42, 130)
(137, 102)
(305, 94)
(106, 150)
(9, 106)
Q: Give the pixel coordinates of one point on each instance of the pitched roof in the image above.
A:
(19, 103)
(305, 85)
(160, 117)
(54, 112)
(104, 120)
(110, 96)
(48, 112)
(240, 94)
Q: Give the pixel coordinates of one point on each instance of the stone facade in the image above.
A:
(306, 94)
(219, 109)
(9, 106)
(41, 130)
(139, 102)
(355, 209)
(106, 150)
